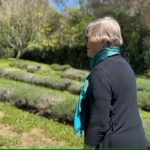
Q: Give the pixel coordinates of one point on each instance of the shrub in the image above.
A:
(144, 100)
(51, 82)
(55, 83)
(147, 73)
(32, 97)
(143, 92)
(25, 65)
(6, 94)
(33, 68)
(74, 74)
(74, 87)
(146, 123)
(143, 84)
(60, 67)
(64, 110)
(18, 64)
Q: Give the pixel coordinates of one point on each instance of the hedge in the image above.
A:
(144, 100)
(31, 97)
(58, 67)
(25, 65)
(46, 81)
(143, 87)
(75, 74)
(146, 124)
(143, 84)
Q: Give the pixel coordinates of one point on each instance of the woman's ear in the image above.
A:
(102, 43)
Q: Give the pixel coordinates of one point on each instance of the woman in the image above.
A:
(111, 117)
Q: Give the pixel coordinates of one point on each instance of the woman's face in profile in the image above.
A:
(92, 47)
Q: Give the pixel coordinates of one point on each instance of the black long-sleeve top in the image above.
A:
(111, 102)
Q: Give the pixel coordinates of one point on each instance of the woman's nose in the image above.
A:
(86, 40)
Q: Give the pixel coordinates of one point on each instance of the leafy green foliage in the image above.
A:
(144, 100)
(75, 74)
(143, 84)
(146, 123)
(143, 92)
(46, 81)
(60, 67)
(20, 22)
(29, 67)
(31, 96)
(74, 87)
(55, 36)
(147, 60)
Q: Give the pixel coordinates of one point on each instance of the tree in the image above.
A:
(20, 21)
(133, 16)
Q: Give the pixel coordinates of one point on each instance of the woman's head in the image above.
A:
(102, 32)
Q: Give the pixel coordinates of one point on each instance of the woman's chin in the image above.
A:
(89, 55)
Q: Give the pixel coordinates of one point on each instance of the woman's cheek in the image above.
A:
(89, 53)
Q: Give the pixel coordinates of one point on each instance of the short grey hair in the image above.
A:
(106, 28)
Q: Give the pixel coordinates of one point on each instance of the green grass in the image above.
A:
(144, 100)
(143, 87)
(143, 83)
(18, 123)
(8, 141)
(146, 124)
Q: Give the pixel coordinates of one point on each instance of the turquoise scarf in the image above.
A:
(78, 116)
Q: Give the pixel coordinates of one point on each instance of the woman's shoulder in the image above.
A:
(106, 65)
(112, 69)
(98, 74)
(111, 64)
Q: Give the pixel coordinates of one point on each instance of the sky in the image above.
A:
(59, 6)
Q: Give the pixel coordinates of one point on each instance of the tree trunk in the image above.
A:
(19, 54)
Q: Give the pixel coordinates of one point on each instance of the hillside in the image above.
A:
(50, 91)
